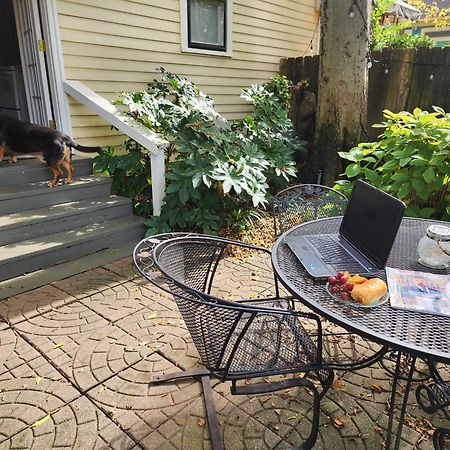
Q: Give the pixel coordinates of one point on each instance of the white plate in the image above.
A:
(352, 302)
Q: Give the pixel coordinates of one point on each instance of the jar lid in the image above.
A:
(439, 232)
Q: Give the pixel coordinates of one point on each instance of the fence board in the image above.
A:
(399, 79)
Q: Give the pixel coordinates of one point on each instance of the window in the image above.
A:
(206, 26)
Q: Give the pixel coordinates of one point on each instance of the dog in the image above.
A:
(19, 137)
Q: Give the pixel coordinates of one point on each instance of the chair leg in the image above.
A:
(439, 436)
(211, 414)
(263, 388)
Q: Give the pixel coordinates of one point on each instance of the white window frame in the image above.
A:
(228, 32)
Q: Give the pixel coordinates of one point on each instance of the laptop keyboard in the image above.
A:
(335, 255)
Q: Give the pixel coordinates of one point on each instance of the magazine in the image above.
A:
(419, 291)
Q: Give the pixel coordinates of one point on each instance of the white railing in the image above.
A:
(134, 130)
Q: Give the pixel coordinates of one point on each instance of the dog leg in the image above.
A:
(67, 163)
(57, 174)
(2, 152)
(12, 158)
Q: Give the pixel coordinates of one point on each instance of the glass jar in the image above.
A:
(434, 247)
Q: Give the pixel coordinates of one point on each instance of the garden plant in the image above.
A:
(411, 160)
(218, 172)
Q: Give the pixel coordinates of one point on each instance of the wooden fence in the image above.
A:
(399, 79)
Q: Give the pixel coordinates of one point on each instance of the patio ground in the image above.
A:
(77, 358)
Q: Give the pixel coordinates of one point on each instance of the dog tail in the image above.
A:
(83, 148)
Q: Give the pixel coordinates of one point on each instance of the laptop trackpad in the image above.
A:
(308, 257)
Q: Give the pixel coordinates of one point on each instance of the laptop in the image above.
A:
(366, 235)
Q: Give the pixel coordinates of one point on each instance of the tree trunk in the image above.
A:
(343, 83)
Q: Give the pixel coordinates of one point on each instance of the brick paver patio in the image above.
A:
(77, 358)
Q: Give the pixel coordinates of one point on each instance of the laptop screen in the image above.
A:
(371, 221)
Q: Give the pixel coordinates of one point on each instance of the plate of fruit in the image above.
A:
(357, 291)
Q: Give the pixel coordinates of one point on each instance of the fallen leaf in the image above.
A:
(41, 421)
(292, 417)
(338, 423)
(201, 422)
(337, 384)
(152, 315)
(38, 380)
(274, 427)
(376, 387)
(58, 345)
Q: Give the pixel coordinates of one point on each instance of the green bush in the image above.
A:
(393, 35)
(411, 161)
(217, 172)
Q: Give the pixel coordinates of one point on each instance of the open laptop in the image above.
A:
(365, 237)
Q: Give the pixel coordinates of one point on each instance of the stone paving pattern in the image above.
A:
(77, 359)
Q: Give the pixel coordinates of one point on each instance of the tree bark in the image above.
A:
(343, 83)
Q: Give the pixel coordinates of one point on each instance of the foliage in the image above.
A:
(281, 87)
(131, 174)
(411, 161)
(216, 171)
(439, 17)
(390, 35)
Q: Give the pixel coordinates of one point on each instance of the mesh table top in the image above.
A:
(425, 335)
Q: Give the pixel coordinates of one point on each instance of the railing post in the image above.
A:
(158, 180)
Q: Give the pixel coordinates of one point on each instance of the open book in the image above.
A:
(419, 291)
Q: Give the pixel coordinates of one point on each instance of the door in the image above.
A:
(32, 55)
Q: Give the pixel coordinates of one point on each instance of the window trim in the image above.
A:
(206, 49)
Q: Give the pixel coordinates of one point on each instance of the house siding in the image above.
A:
(117, 45)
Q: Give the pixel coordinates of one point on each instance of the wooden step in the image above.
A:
(39, 222)
(33, 280)
(35, 254)
(19, 198)
(32, 170)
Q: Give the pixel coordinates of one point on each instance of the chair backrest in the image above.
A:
(225, 332)
(305, 202)
(190, 261)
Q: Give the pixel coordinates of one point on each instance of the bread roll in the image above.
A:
(369, 292)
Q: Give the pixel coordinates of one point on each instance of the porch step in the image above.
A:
(32, 170)
(39, 222)
(34, 254)
(20, 198)
(39, 278)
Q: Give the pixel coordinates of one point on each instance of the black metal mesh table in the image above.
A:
(410, 333)
(424, 335)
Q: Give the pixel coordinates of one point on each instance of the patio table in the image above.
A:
(411, 334)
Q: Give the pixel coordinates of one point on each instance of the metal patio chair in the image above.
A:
(434, 397)
(305, 202)
(236, 340)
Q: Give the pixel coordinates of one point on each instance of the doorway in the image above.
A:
(24, 86)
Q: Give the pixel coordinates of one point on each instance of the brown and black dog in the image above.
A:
(18, 137)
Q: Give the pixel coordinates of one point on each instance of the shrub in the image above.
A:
(392, 35)
(217, 171)
(411, 161)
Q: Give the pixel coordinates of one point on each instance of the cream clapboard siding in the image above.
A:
(117, 45)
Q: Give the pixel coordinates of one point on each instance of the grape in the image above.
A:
(349, 286)
(345, 296)
(344, 288)
(343, 280)
(334, 289)
(340, 275)
(332, 280)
